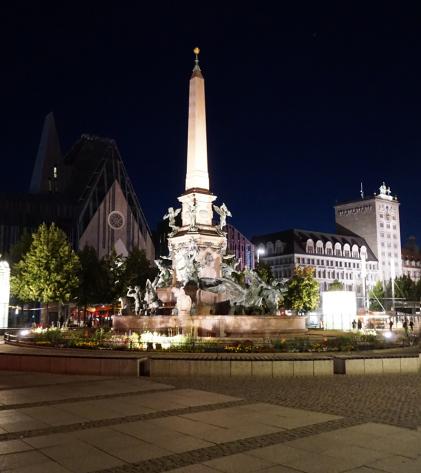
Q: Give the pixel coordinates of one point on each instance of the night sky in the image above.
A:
(302, 104)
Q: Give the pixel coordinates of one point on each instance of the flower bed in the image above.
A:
(147, 341)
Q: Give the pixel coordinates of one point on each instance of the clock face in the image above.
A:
(116, 220)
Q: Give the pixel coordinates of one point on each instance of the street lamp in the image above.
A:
(260, 251)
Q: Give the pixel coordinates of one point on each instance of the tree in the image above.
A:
(138, 269)
(264, 272)
(406, 288)
(48, 271)
(92, 278)
(20, 248)
(302, 290)
(115, 267)
(376, 296)
(336, 286)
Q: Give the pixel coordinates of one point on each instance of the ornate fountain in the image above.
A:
(198, 289)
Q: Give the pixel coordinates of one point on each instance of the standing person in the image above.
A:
(405, 326)
(390, 324)
(411, 325)
(354, 325)
(360, 324)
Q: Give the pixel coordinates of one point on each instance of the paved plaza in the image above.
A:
(62, 423)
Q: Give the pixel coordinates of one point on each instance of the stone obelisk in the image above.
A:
(197, 239)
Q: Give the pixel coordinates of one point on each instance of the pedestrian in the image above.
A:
(390, 324)
(360, 324)
(411, 325)
(354, 325)
(405, 326)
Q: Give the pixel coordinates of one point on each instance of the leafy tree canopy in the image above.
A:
(124, 272)
(302, 290)
(406, 288)
(48, 272)
(264, 272)
(20, 248)
(93, 278)
(138, 269)
(376, 296)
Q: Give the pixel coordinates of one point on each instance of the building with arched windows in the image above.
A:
(366, 247)
(344, 258)
(411, 259)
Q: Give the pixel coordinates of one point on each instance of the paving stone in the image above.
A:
(13, 446)
(80, 457)
(238, 463)
(21, 459)
(397, 464)
(47, 467)
(185, 424)
(388, 399)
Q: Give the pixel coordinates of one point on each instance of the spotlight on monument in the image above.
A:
(24, 333)
(388, 335)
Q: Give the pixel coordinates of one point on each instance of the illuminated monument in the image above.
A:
(197, 247)
(198, 289)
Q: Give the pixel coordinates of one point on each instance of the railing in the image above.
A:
(17, 337)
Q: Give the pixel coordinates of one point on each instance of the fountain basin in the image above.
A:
(237, 326)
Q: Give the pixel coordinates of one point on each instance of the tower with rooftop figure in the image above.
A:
(197, 247)
(376, 219)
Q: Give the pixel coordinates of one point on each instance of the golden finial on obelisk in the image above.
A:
(196, 51)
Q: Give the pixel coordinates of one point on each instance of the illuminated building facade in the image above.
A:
(347, 259)
(411, 260)
(366, 247)
(376, 219)
(240, 246)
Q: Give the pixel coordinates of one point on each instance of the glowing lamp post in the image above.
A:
(259, 252)
(4, 293)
